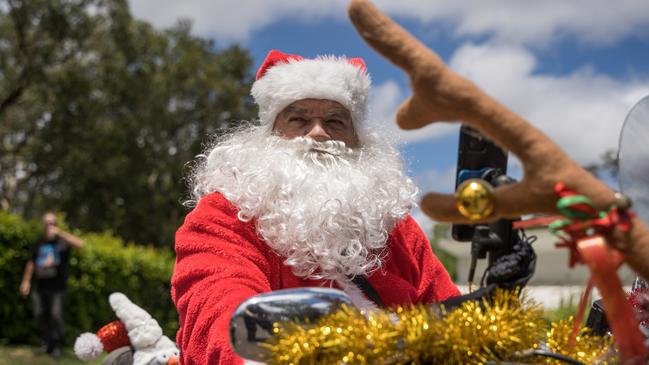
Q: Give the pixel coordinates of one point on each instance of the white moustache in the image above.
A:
(331, 147)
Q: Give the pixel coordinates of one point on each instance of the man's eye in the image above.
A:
(297, 119)
(336, 122)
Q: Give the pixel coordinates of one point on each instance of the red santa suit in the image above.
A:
(288, 211)
(221, 261)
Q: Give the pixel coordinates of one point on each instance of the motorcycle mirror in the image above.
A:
(634, 158)
(253, 320)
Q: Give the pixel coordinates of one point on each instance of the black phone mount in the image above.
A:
(494, 240)
(477, 158)
(498, 242)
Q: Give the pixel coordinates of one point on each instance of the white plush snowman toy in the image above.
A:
(135, 339)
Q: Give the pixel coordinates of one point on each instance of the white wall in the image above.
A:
(551, 266)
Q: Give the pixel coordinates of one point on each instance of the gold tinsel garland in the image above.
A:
(500, 329)
(588, 348)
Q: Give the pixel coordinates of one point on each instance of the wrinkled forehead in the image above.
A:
(318, 106)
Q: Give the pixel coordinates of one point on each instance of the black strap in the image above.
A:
(364, 285)
(476, 295)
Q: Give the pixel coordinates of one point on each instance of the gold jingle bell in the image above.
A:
(474, 199)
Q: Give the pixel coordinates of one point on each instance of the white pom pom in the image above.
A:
(88, 346)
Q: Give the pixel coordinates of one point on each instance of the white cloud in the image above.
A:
(530, 22)
(583, 112)
(385, 100)
(593, 21)
(228, 20)
(439, 181)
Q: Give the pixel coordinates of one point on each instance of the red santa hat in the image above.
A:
(285, 78)
(112, 336)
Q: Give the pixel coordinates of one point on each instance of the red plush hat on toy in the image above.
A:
(135, 329)
(112, 336)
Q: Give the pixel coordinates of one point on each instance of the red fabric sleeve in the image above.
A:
(219, 263)
(435, 284)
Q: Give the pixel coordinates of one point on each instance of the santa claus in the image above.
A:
(311, 196)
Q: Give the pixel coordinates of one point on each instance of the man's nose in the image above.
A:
(318, 133)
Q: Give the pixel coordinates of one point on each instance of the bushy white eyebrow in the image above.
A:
(339, 112)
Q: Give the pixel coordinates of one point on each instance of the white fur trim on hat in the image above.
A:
(326, 77)
(88, 346)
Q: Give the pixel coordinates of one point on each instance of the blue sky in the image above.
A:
(572, 68)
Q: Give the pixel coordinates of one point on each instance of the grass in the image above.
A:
(26, 355)
(567, 308)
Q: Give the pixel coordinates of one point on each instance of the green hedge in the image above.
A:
(104, 265)
(447, 259)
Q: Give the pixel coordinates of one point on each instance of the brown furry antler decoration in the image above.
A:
(439, 94)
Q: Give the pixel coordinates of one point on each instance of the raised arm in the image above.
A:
(73, 240)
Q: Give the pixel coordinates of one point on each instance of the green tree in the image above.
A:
(441, 230)
(607, 166)
(100, 112)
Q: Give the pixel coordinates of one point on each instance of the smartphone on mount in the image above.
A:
(476, 156)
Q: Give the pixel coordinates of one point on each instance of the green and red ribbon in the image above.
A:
(579, 219)
(583, 229)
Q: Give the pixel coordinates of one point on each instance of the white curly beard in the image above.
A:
(325, 208)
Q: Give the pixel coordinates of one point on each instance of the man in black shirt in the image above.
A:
(48, 267)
